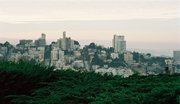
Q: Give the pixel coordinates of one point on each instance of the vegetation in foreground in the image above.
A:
(27, 83)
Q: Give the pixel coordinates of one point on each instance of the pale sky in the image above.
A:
(137, 20)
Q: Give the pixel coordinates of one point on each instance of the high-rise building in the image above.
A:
(65, 43)
(41, 42)
(64, 34)
(176, 56)
(119, 44)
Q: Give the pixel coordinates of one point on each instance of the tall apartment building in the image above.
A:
(119, 44)
(176, 56)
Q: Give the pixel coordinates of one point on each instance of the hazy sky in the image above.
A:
(138, 20)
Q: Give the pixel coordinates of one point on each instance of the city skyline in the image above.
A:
(157, 49)
(139, 21)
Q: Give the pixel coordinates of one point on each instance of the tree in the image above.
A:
(117, 63)
(96, 60)
(92, 45)
(136, 56)
(76, 43)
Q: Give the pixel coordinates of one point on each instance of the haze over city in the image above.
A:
(152, 23)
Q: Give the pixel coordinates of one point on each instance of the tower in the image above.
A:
(64, 34)
(119, 44)
(176, 56)
(43, 36)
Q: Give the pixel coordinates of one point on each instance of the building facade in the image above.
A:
(128, 57)
(65, 43)
(119, 44)
(176, 57)
(41, 42)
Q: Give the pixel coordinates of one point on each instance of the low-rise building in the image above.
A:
(114, 55)
(128, 57)
(78, 64)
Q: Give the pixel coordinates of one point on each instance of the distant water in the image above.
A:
(155, 48)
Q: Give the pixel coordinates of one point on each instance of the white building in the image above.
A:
(114, 55)
(57, 57)
(54, 56)
(116, 71)
(77, 54)
(119, 44)
(25, 42)
(41, 42)
(41, 51)
(66, 43)
(128, 57)
(78, 64)
(36, 53)
(61, 59)
(176, 57)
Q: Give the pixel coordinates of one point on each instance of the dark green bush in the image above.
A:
(27, 83)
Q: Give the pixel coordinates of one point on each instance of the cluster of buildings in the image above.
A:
(54, 54)
(66, 53)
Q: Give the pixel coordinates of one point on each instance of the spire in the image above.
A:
(64, 34)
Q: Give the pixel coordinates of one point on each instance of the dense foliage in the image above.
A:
(22, 78)
(26, 83)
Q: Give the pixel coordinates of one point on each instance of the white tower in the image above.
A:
(119, 44)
